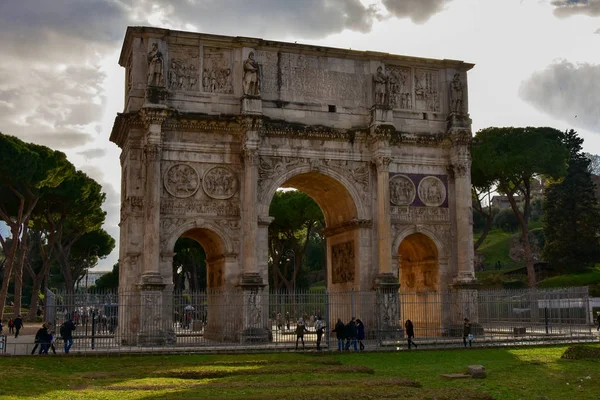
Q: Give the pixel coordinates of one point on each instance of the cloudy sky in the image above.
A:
(537, 61)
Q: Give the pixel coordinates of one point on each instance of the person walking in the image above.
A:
(598, 320)
(319, 330)
(360, 336)
(300, 329)
(287, 320)
(18, 323)
(339, 333)
(351, 333)
(52, 338)
(279, 322)
(11, 326)
(36, 340)
(410, 333)
(467, 332)
(66, 331)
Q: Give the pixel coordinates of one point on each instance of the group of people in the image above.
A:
(14, 326)
(350, 334)
(301, 329)
(45, 337)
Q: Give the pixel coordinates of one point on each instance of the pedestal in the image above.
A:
(387, 307)
(155, 322)
(255, 319)
(251, 105)
(465, 305)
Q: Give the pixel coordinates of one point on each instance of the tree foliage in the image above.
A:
(510, 158)
(297, 219)
(189, 265)
(572, 214)
(110, 280)
(26, 171)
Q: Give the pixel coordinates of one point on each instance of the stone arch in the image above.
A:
(212, 237)
(353, 204)
(441, 249)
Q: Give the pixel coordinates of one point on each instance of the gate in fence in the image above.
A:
(211, 320)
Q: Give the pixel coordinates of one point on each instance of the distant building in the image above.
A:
(501, 202)
(90, 278)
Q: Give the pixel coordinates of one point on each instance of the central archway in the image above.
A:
(419, 275)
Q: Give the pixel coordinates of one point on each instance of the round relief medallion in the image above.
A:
(219, 183)
(182, 180)
(432, 191)
(402, 190)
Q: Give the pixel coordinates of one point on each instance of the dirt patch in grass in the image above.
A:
(99, 375)
(212, 374)
(579, 352)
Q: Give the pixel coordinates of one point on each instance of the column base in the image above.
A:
(388, 306)
(254, 329)
(157, 339)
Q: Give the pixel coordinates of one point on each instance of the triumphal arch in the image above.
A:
(214, 125)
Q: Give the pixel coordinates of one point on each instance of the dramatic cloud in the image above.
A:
(419, 11)
(567, 8)
(567, 92)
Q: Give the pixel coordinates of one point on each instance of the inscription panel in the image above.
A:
(312, 79)
(419, 214)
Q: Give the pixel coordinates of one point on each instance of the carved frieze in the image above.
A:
(426, 88)
(402, 190)
(432, 191)
(181, 180)
(420, 214)
(217, 73)
(347, 226)
(400, 92)
(194, 207)
(184, 68)
(220, 183)
(342, 260)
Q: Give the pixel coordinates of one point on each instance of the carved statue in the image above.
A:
(155, 66)
(251, 81)
(456, 94)
(173, 71)
(381, 87)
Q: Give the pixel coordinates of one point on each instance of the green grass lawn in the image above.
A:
(529, 373)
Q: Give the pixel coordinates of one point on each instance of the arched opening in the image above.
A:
(199, 267)
(419, 274)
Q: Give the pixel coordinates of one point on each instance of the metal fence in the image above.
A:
(232, 321)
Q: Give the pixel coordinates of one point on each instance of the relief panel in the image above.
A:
(400, 91)
(184, 68)
(426, 88)
(217, 72)
(342, 260)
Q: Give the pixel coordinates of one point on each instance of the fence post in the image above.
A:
(93, 328)
(546, 318)
(327, 329)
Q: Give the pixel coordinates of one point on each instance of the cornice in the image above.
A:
(347, 226)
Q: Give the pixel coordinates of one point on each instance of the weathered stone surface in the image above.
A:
(214, 125)
(476, 371)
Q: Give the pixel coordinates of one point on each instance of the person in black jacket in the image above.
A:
(410, 333)
(18, 323)
(339, 333)
(42, 339)
(351, 333)
(66, 331)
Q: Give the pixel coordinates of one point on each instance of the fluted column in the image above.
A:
(384, 246)
(250, 218)
(460, 159)
(153, 120)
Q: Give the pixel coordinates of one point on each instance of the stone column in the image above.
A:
(154, 316)
(460, 159)
(384, 246)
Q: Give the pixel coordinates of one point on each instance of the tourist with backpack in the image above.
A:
(66, 331)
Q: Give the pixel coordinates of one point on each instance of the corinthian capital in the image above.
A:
(382, 163)
(152, 152)
(250, 156)
(460, 169)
